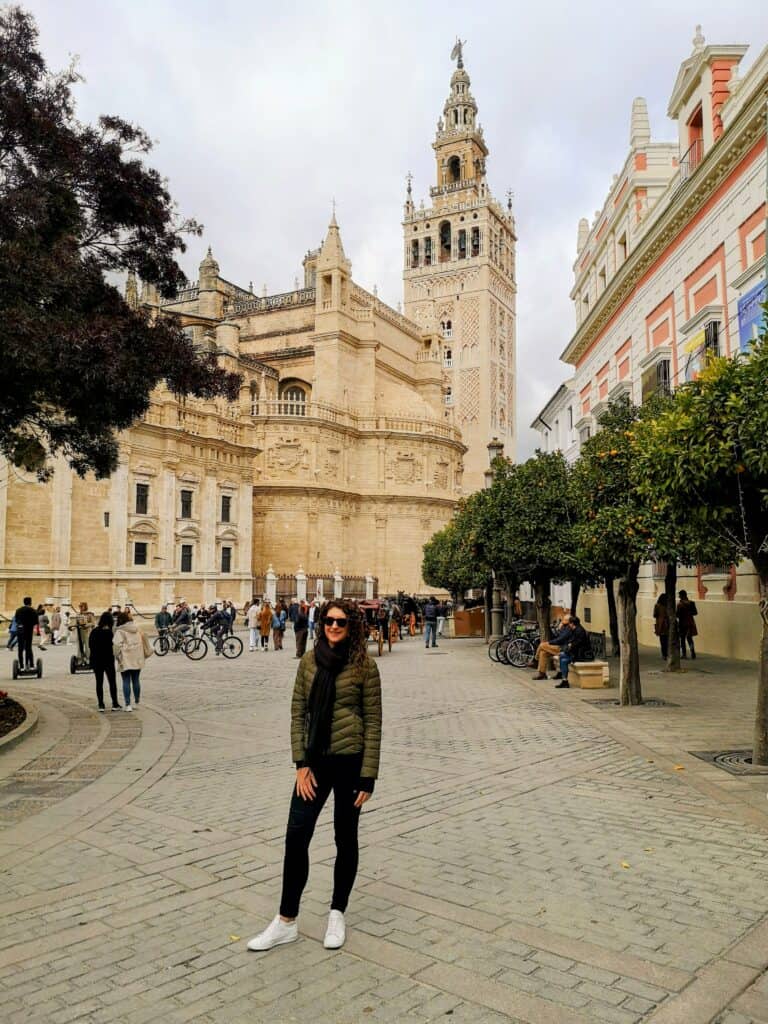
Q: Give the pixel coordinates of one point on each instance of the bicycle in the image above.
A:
(228, 644)
(171, 641)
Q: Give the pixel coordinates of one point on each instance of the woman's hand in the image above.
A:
(305, 783)
(361, 798)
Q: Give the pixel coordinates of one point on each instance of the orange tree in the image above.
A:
(705, 460)
(450, 556)
(524, 526)
(614, 532)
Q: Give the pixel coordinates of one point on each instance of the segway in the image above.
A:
(30, 670)
(81, 661)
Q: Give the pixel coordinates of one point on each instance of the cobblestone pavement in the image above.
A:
(525, 857)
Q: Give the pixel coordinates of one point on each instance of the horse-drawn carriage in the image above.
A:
(376, 619)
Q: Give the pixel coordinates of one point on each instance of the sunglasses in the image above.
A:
(330, 621)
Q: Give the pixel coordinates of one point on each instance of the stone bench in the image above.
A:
(589, 675)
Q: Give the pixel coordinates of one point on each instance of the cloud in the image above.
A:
(263, 113)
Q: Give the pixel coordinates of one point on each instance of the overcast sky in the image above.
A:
(263, 112)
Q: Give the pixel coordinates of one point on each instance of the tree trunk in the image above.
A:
(673, 635)
(543, 606)
(760, 742)
(575, 591)
(613, 619)
(487, 605)
(629, 679)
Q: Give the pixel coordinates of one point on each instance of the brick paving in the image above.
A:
(526, 857)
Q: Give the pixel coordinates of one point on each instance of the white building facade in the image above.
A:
(671, 271)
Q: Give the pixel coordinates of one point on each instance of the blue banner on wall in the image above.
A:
(751, 314)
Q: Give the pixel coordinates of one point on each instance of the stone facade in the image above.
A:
(337, 454)
(671, 270)
(460, 282)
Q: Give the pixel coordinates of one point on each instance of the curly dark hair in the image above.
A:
(358, 640)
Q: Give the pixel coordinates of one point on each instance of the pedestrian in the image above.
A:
(430, 622)
(661, 624)
(13, 633)
(578, 648)
(278, 626)
(26, 621)
(301, 628)
(232, 614)
(163, 619)
(547, 649)
(103, 660)
(686, 624)
(335, 744)
(312, 616)
(131, 649)
(254, 611)
(265, 624)
(43, 626)
(56, 625)
(442, 614)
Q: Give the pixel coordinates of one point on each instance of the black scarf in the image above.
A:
(322, 697)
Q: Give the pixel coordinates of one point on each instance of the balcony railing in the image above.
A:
(691, 159)
(277, 408)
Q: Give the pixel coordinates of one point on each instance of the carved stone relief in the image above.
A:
(288, 455)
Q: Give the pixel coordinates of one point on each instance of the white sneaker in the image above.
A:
(336, 931)
(276, 933)
(127, 708)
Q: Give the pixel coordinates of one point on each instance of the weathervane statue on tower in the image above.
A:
(457, 53)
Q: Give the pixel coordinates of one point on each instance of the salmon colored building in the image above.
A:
(671, 271)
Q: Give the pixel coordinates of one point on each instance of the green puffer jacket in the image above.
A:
(356, 722)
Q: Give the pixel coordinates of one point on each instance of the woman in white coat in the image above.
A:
(131, 649)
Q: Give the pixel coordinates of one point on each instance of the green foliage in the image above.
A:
(79, 204)
(451, 559)
(614, 529)
(527, 519)
(706, 457)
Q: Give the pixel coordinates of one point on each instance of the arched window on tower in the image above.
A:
(475, 250)
(462, 244)
(455, 115)
(428, 251)
(415, 252)
(445, 241)
(254, 398)
(454, 169)
(446, 328)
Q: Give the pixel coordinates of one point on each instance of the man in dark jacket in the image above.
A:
(26, 620)
(430, 622)
(577, 649)
(163, 619)
(547, 649)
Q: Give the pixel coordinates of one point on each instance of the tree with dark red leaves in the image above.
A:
(80, 207)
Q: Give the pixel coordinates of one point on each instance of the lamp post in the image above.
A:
(496, 630)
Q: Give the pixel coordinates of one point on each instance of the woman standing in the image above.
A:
(253, 625)
(265, 624)
(103, 660)
(131, 649)
(686, 623)
(278, 626)
(301, 628)
(335, 742)
(661, 624)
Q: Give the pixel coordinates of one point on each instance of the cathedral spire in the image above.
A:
(332, 251)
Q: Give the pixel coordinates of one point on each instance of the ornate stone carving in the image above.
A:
(404, 468)
(470, 323)
(440, 476)
(288, 455)
(469, 402)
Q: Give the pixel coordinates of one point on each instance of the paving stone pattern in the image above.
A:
(520, 861)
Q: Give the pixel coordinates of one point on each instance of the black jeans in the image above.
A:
(341, 774)
(98, 671)
(25, 648)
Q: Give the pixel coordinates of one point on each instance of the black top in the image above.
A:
(26, 618)
(100, 643)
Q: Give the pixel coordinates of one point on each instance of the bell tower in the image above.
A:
(459, 279)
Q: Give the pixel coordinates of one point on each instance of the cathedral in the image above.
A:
(356, 431)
